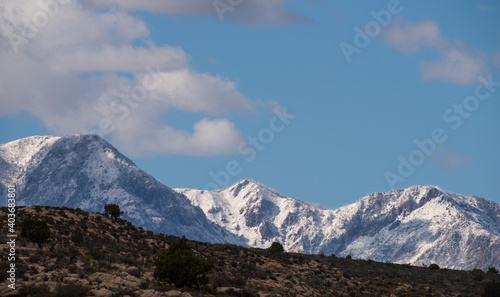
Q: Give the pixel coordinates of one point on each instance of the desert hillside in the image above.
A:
(89, 254)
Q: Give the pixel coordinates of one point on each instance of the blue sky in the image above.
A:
(334, 114)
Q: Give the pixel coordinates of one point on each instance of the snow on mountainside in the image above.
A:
(418, 225)
(85, 171)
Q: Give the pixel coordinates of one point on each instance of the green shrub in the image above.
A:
(134, 271)
(478, 277)
(34, 258)
(434, 266)
(276, 247)
(35, 291)
(77, 236)
(491, 289)
(72, 290)
(35, 231)
(348, 257)
(72, 268)
(178, 265)
(492, 270)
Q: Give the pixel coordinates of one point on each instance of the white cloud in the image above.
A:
(250, 13)
(123, 58)
(456, 63)
(409, 37)
(209, 137)
(69, 72)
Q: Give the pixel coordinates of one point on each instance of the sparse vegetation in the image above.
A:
(35, 231)
(491, 289)
(116, 258)
(77, 236)
(178, 265)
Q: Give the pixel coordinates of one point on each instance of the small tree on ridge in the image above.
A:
(113, 210)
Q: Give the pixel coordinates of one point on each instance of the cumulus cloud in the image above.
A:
(80, 69)
(456, 63)
(249, 13)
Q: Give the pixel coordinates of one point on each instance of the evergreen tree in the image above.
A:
(276, 247)
(113, 210)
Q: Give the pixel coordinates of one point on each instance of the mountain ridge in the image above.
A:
(373, 227)
(417, 225)
(85, 171)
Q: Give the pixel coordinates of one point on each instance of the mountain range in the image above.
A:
(418, 225)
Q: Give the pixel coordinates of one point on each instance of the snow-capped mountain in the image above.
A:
(87, 172)
(418, 225)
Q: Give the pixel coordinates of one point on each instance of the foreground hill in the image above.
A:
(115, 258)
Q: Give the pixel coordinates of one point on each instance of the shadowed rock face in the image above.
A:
(86, 172)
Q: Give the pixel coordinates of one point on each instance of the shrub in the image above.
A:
(178, 265)
(492, 270)
(35, 290)
(4, 266)
(276, 247)
(113, 210)
(35, 231)
(34, 258)
(72, 268)
(72, 290)
(348, 257)
(77, 236)
(434, 266)
(491, 289)
(478, 277)
(134, 271)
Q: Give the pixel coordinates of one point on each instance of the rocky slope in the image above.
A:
(71, 266)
